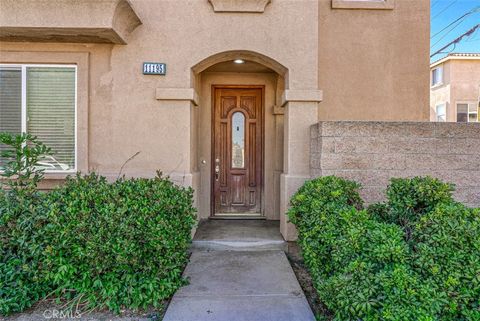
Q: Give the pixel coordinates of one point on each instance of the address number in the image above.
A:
(153, 68)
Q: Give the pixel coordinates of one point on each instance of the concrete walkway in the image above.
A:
(238, 271)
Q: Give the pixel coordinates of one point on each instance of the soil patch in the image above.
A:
(305, 280)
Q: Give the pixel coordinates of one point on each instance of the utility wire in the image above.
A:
(446, 34)
(445, 9)
(474, 10)
(457, 40)
(435, 4)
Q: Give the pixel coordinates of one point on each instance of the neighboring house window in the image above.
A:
(41, 100)
(467, 113)
(441, 113)
(437, 76)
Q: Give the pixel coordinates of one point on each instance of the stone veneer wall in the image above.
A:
(373, 152)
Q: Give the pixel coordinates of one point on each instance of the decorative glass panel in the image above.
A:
(10, 102)
(238, 140)
(51, 113)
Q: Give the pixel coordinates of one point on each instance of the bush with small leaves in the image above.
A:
(90, 242)
(411, 198)
(415, 257)
(21, 221)
(120, 244)
(447, 253)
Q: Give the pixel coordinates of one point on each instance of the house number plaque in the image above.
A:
(154, 68)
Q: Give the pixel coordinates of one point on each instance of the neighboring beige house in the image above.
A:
(455, 88)
(230, 112)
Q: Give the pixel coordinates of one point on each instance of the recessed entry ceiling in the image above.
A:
(230, 66)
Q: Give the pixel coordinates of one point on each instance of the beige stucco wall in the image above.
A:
(371, 153)
(370, 64)
(465, 83)
(374, 64)
(461, 84)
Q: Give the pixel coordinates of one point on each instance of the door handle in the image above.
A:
(217, 169)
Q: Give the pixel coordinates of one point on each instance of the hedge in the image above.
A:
(89, 242)
(415, 257)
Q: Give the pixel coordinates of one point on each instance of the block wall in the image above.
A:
(373, 152)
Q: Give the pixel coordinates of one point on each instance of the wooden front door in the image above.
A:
(237, 155)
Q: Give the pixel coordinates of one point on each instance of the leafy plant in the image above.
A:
(120, 244)
(89, 242)
(21, 220)
(21, 158)
(411, 198)
(447, 254)
(362, 265)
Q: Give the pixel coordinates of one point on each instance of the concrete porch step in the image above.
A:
(238, 235)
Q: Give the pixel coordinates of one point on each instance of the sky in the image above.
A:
(445, 12)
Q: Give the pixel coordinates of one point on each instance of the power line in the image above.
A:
(445, 9)
(441, 38)
(474, 10)
(435, 4)
(473, 37)
(457, 40)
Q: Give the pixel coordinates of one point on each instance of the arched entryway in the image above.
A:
(239, 130)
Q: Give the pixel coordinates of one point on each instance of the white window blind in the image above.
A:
(51, 110)
(41, 100)
(10, 102)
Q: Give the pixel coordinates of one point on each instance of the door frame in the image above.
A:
(212, 151)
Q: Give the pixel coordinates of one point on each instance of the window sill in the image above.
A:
(437, 85)
(364, 4)
(245, 6)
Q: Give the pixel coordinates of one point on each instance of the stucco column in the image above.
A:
(301, 111)
(184, 102)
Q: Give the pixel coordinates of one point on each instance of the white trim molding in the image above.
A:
(363, 4)
(177, 94)
(246, 6)
(302, 95)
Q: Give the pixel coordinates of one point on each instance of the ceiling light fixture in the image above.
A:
(239, 61)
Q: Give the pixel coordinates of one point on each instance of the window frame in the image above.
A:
(440, 82)
(444, 105)
(468, 103)
(23, 68)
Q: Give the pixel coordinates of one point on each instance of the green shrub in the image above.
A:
(379, 211)
(316, 195)
(118, 244)
(362, 265)
(447, 254)
(411, 198)
(89, 242)
(21, 222)
(315, 205)
(21, 157)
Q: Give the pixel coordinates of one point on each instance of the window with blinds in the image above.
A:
(10, 103)
(46, 98)
(468, 112)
